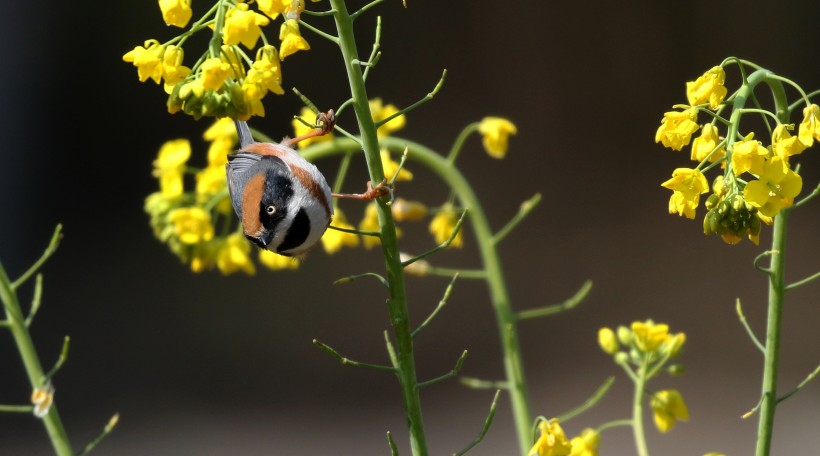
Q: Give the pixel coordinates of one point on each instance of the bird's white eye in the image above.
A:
(270, 210)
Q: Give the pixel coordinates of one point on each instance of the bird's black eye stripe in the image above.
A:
(298, 232)
(256, 241)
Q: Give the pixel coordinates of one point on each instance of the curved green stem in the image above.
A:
(505, 317)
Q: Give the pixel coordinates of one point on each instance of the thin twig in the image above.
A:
(349, 362)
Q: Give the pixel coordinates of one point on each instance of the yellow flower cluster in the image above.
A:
(225, 80)
(757, 180)
(553, 442)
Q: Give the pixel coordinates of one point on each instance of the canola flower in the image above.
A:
(552, 441)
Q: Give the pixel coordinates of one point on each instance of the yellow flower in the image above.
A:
(380, 112)
(404, 210)
(687, 186)
(668, 408)
(586, 444)
(147, 59)
(784, 144)
(747, 154)
(608, 341)
(214, 71)
(233, 255)
(169, 165)
(42, 397)
(176, 12)
(673, 344)
(552, 441)
(192, 225)
(676, 128)
(300, 129)
(495, 133)
(243, 26)
(776, 187)
(276, 262)
(709, 87)
(443, 225)
(648, 335)
(704, 144)
(390, 167)
(172, 69)
(272, 8)
(210, 182)
(810, 126)
(292, 40)
(370, 222)
(334, 240)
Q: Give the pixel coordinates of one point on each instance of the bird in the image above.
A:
(282, 200)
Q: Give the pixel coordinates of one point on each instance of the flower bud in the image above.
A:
(608, 341)
(676, 370)
(625, 335)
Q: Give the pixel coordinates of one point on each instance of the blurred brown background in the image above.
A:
(212, 365)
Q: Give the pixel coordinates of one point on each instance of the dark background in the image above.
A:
(213, 365)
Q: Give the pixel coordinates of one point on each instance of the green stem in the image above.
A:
(397, 302)
(768, 405)
(31, 361)
(637, 411)
(505, 317)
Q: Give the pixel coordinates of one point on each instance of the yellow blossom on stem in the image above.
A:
(677, 128)
(292, 40)
(673, 345)
(381, 111)
(176, 12)
(747, 153)
(276, 262)
(211, 182)
(214, 73)
(243, 26)
(390, 167)
(704, 144)
(370, 222)
(668, 408)
(266, 70)
(586, 444)
(170, 164)
(147, 59)
(648, 335)
(334, 240)
(707, 88)
(273, 8)
(443, 225)
(300, 129)
(233, 255)
(552, 441)
(192, 225)
(495, 133)
(809, 129)
(784, 144)
(172, 69)
(404, 210)
(687, 186)
(608, 340)
(775, 188)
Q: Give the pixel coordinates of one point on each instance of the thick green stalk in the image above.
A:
(637, 411)
(397, 302)
(31, 362)
(505, 317)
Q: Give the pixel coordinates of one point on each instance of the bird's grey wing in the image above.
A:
(237, 165)
(244, 133)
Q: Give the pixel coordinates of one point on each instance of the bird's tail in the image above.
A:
(244, 133)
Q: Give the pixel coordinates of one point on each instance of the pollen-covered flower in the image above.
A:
(389, 167)
(784, 144)
(176, 12)
(147, 59)
(192, 225)
(747, 153)
(233, 255)
(243, 26)
(608, 341)
(706, 143)
(292, 40)
(668, 408)
(277, 262)
(42, 397)
(775, 188)
(444, 224)
(809, 129)
(300, 129)
(586, 444)
(169, 165)
(687, 185)
(649, 335)
(495, 133)
(334, 240)
(677, 128)
(214, 73)
(709, 87)
(381, 111)
(552, 441)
